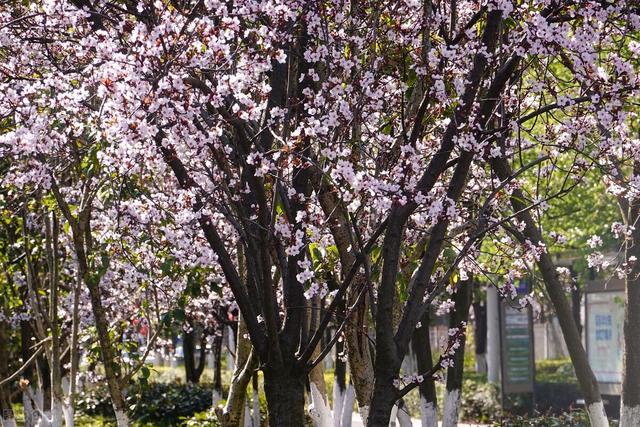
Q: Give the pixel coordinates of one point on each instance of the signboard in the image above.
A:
(605, 317)
(517, 346)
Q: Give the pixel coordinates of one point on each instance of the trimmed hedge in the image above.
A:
(164, 404)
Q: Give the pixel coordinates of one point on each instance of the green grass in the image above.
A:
(81, 420)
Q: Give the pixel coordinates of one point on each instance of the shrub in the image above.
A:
(555, 371)
(480, 402)
(95, 401)
(158, 403)
(169, 402)
(566, 419)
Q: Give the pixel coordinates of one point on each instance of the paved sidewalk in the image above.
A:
(355, 422)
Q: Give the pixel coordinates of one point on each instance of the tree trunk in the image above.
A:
(7, 417)
(319, 409)
(402, 415)
(43, 401)
(217, 363)
(359, 353)
(106, 348)
(285, 397)
(26, 333)
(67, 408)
(493, 335)
(555, 289)
(347, 406)
(256, 400)
(576, 300)
(188, 346)
(480, 336)
(339, 383)
(245, 365)
(630, 402)
(358, 349)
(57, 395)
(462, 301)
(383, 401)
(74, 356)
(422, 348)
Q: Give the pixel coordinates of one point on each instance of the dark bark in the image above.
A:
(284, 391)
(576, 301)
(26, 333)
(555, 290)
(340, 369)
(217, 362)
(193, 370)
(462, 301)
(383, 398)
(631, 355)
(480, 329)
(188, 347)
(5, 392)
(391, 348)
(422, 348)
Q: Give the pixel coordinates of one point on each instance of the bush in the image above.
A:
(555, 371)
(553, 397)
(573, 419)
(95, 401)
(169, 402)
(158, 403)
(480, 402)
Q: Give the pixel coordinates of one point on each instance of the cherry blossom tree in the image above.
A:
(326, 144)
(610, 139)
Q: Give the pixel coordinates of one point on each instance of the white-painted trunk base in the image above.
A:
(428, 413)
(338, 402)
(38, 398)
(211, 363)
(364, 414)
(629, 416)
(256, 409)
(319, 410)
(56, 413)
(216, 397)
(122, 420)
(347, 406)
(8, 422)
(30, 417)
(45, 419)
(597, 415)
(493, 335)
(394, 413)
(403, 417)
(69, 416)
(451, 407)
(248, 422)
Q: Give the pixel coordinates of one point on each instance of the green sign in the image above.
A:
(518, 351)
(517, 348)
